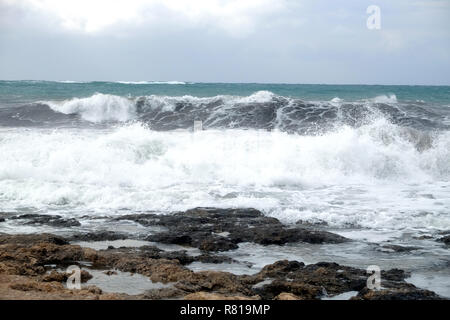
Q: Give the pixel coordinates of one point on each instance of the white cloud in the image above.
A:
(236, 17)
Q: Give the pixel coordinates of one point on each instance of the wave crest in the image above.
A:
(97, 108)
(260, 110)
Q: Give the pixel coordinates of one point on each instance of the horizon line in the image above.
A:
(186, 82)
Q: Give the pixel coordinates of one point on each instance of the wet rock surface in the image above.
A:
(29, 267)
(62, 276)
(445, 239)
(50, 220)
(398, 248)
(98, 236)
(403, 292)
(213, 229)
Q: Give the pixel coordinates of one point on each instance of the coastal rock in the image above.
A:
(208, 258)
(324, 278)
(445, 239)
(98, 236)
(398, 248)
(214, 296)
(219, 282)
(50, 220)
(287, 296)
(181, 256)
(308, 281)
(164, 293)
(294, 288)
(28, 265)
(217, 244)
(405, 292)
(213, 229)
(62, 276)
(29, 254)
(14, 287)
(32, 239)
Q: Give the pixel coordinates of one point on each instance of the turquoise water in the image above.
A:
(27, 91)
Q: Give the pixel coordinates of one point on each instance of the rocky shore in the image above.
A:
(32, 266)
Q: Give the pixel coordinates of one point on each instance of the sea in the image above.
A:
(369, 162)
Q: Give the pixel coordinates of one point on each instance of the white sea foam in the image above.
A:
(70, 81)
(349, 176)
(392, 98)
(259, 97)
(97, 108)
(105, 107)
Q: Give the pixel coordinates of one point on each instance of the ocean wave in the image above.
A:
(140, 169)
(260, 110)
(392, 98)
(150, 82)
(71, 81)
(97, 108)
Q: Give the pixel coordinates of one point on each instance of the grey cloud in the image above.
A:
(301, 42)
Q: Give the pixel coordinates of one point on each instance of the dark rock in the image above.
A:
(156, 253)
(397, 275)
(6, 215)
(50, 220)
(153, 252)
(213, 281)
(29, 256)
(308, 282)
(170, 238)
(280, 235)
(146, 220)
(206, 258)
(62, 276)
(397, 248)
(445, 240)
(315, 280)
(281, 269)
(217, 244)
(212, 229)
(110, 273)
(300, 289)
(32, 239)
(312, 224)
(98, 236)
(164, 293)
(404, 292)
(423, 237)
(2, 219)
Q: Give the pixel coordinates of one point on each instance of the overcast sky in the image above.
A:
(287, 41)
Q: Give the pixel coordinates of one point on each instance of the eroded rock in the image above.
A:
(50, 220)
(213, 229)
(214, 296)
(445, 239)
(25, 262)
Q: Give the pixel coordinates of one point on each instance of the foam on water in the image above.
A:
(260, 110)
(371, 176)
(392, 98)
(97, 108)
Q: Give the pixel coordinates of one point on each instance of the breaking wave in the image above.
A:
(137, 168)
(261, 110)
